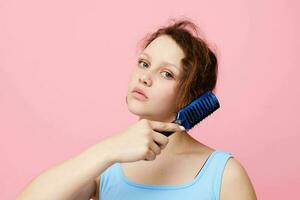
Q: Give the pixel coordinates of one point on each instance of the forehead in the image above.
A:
(165, 49)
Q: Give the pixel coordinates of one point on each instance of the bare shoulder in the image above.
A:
(236, 183)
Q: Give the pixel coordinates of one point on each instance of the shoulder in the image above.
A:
(97, 183)
(236, 183)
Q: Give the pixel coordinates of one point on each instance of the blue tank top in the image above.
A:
(114, 185)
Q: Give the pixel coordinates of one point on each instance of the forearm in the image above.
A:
(63, 181)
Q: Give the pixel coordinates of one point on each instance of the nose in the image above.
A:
(145, 79)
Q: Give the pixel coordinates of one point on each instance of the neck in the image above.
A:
(166, 119)
(177, 143)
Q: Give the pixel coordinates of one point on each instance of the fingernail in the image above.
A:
(182, 128)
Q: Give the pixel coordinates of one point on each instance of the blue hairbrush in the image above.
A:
(195, 111)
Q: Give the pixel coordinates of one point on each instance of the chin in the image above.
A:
(141, 110)
(142, 114)
(136, 108)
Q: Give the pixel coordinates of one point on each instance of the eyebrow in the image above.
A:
(164, 62)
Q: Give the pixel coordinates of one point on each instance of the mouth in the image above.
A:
(139, 93)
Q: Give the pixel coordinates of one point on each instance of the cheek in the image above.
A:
(165, 96)
(133, 79)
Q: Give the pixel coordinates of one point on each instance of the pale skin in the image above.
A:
(154, 77)
(175, 152)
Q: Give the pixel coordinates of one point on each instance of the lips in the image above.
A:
(140, 91)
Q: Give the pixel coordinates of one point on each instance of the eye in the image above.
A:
(140, 61)
(169, 75)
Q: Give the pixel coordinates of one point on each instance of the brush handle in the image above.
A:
(168, 133)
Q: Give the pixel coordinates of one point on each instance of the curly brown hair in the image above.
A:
(200, 66)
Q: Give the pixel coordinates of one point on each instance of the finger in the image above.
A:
(155, 148)
(165, 126)
(150, 155)
(161, 139)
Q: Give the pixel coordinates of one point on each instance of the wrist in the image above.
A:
(106, 150)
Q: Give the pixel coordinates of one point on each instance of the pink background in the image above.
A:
(64, 67)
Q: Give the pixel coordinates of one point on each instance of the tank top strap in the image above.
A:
(215, 171)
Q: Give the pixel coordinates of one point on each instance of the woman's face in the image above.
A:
(156, 73)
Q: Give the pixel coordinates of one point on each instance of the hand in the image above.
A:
(141, 140)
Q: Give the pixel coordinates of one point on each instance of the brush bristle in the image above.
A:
(197, 110)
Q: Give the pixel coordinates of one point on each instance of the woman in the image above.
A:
(173, 68)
